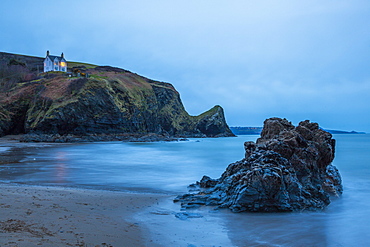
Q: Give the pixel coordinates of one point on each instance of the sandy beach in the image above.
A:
(64, 216)
(57, 216)
(45, 216)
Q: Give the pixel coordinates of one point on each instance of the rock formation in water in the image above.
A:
(111, 101)
(287, 169)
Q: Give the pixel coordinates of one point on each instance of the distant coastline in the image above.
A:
(257, 131)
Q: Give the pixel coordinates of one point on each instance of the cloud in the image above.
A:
(298, 59)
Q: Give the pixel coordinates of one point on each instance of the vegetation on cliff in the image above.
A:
(109, 101)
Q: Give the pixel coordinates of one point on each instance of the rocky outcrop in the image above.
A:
(111, 101)
(212, 123)
(287, 169)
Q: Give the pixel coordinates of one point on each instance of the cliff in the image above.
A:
(111, 101)
(288, 169)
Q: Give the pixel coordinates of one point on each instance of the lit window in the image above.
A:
(63, 64)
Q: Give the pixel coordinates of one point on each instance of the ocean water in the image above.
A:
(149, 167)
(171, 167)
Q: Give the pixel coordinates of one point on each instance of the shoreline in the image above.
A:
(34, 215)
(61, 216)
(95, 216)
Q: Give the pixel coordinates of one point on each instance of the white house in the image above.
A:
(55, 63)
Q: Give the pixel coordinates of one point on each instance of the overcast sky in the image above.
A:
(305, 59)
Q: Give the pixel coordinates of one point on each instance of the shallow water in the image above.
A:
(163, 166)
(170, 167)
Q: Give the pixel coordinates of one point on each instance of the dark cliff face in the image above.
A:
(110, 101)
(288, 169)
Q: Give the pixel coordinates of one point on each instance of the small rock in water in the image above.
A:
(186, 215)
(161, 212)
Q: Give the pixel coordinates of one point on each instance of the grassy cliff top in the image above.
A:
(78, 64)
(33, 61)
(17, 68)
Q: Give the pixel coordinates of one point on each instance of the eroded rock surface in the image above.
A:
(110, 102)
(287, 169)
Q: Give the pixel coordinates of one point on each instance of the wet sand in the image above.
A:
(52, 216)
(57, 216)
(60, 216)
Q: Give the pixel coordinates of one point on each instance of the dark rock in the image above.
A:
(288, 169)
(186, 215)
(207, 182)
(5, 121)
(212, 123)
(152, 138)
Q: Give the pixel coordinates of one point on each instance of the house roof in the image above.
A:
(52, 58)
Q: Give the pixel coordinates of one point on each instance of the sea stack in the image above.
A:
(287, 169)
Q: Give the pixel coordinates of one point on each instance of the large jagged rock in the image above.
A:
(288, 169)
(110, 101)
(212, 123)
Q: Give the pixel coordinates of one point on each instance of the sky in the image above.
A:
(299, 60)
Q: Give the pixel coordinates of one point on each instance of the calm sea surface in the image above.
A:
(171, 167)
(150, 167)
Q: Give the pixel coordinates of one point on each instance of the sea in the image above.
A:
(169, 167)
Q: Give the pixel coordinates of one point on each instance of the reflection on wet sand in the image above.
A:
(60, 167)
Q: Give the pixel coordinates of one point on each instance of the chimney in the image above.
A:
(62, 55)
(47, 53)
